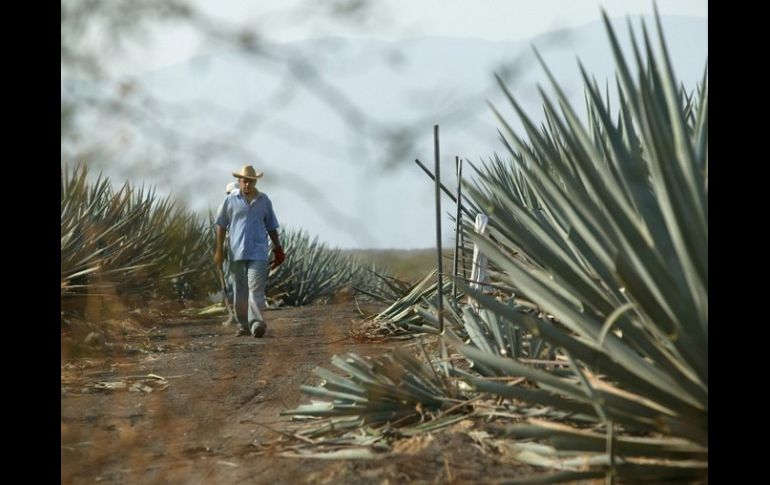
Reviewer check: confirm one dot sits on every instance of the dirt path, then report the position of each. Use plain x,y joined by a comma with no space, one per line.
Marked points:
221,395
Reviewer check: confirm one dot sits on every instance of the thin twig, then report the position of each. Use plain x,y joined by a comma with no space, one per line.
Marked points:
458,406
286,433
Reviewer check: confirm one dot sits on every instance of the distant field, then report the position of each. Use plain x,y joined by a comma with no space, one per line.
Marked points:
404,264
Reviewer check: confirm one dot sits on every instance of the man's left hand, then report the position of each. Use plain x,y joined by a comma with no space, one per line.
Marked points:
280,256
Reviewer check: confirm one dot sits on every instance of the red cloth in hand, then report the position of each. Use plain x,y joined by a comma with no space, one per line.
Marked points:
280,256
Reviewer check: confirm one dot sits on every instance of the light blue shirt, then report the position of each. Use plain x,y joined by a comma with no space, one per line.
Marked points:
247,225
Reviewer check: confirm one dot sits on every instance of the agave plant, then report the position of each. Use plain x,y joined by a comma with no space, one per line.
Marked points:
378,390
127,242
187,270
379,399
413,312
107,237
387,288
604,225
313,271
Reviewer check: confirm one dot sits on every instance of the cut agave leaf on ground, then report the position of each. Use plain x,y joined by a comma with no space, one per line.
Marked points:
346,454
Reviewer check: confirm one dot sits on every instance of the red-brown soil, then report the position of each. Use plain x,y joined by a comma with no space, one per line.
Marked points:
182,400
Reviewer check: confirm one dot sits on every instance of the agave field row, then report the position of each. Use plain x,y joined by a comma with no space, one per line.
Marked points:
130,244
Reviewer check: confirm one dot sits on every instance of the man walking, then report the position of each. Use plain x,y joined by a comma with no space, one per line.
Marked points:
246,216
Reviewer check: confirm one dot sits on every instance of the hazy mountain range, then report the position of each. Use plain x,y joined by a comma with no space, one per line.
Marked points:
337,142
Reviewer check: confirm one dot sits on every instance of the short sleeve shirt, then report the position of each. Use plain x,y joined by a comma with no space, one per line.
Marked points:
247,225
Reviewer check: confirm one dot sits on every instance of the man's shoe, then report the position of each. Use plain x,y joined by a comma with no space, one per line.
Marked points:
241,332
258,329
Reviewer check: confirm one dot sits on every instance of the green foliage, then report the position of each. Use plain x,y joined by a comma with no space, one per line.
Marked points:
604,226
128,242
600,228
379,390
188,264
312,271
407,314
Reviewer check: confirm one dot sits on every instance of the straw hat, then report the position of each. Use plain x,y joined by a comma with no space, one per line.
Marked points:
247,172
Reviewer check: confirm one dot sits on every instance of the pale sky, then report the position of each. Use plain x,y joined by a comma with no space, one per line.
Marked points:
485,19
362,202
292,20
